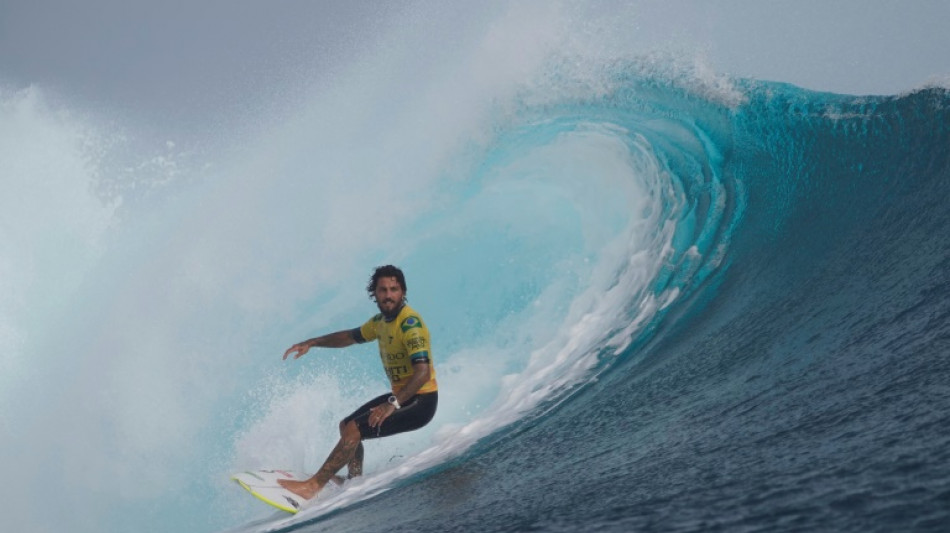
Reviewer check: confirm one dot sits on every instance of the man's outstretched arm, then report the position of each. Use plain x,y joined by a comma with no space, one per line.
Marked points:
339,339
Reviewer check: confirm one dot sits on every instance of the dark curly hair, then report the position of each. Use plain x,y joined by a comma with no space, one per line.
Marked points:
385,271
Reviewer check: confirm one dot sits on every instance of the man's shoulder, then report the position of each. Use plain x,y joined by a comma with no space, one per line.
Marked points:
409,319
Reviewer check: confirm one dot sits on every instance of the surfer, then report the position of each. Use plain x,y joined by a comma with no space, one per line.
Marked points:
404,349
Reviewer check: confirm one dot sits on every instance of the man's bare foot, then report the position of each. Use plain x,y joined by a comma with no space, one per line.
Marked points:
305,489
338,480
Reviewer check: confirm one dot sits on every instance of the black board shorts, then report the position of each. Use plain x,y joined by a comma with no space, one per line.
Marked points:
417,412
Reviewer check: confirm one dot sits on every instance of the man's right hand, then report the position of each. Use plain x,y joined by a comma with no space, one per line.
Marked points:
301,348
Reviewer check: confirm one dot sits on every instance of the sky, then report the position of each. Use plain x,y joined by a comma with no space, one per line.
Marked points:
174,58
179,57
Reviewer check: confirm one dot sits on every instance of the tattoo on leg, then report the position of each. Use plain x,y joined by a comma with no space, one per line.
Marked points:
340,456
355,466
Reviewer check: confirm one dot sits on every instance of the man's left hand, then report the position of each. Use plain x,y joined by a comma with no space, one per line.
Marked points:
378,414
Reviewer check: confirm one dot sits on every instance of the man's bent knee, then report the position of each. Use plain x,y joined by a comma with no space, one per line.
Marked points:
350,433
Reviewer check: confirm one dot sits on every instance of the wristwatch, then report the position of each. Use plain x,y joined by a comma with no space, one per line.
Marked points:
394,401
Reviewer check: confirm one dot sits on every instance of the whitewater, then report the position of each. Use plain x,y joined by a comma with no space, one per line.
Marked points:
660,298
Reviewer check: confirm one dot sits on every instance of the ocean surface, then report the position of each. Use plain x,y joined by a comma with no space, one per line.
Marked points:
796,376
660,300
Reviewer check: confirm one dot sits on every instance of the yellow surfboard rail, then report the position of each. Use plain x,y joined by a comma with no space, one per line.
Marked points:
291,505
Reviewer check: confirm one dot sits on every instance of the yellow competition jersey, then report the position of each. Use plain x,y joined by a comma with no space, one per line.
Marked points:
402,342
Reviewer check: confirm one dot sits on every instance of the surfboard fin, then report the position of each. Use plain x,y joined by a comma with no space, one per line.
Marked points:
293,502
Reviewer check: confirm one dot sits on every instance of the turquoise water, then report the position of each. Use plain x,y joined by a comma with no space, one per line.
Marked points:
660,300
797,379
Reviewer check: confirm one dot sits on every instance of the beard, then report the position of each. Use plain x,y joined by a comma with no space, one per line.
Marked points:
389,308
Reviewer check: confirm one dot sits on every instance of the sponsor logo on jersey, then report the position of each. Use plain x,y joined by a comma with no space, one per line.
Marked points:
416,343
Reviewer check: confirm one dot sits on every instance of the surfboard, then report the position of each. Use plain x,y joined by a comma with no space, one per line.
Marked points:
263,485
